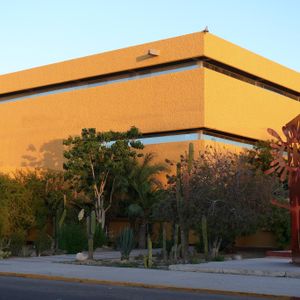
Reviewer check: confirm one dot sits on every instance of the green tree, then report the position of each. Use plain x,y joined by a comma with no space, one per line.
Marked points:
226,189
95,165
16,213
276,218
48,192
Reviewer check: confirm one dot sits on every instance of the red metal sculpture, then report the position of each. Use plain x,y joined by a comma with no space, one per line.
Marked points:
287,163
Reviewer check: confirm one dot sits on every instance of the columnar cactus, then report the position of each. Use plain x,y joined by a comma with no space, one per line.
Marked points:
91,228
164,234
204,235
126,243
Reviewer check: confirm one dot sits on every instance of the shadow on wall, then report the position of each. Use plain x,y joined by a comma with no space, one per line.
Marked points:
49,155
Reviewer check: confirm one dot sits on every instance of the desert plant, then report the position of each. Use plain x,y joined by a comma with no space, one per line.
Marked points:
90,230
99,237
42,242
4,254
72,238
17,242
164,236
204,235
126,243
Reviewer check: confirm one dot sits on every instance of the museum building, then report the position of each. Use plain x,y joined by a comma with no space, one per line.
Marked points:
196,87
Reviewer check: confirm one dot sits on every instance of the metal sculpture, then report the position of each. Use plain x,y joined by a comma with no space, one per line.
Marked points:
287,163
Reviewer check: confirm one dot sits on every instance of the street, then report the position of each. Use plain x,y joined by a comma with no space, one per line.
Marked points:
23,289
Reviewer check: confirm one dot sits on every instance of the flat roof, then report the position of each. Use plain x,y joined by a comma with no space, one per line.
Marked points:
184,47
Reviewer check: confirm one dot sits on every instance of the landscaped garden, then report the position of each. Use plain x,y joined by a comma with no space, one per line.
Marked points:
215,195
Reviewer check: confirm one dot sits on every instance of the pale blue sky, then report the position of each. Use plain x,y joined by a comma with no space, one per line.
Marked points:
39,32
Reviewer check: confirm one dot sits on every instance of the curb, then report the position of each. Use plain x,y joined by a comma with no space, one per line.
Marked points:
247,272
141,285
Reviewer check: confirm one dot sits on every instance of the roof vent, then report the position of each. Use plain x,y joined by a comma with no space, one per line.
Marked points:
153,52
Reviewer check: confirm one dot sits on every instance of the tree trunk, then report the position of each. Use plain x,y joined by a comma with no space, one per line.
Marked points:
103,220
142,236
149,244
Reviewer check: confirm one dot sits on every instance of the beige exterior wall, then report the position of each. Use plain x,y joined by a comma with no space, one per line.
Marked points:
244,109
32,129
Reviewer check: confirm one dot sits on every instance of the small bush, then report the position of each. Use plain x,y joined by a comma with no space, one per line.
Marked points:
42,243
99,237
219,258
199,246
4,254
72,238
18,239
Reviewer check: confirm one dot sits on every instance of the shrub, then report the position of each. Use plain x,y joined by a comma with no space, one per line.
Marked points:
99,237
4,254
72,238
42,243
17,242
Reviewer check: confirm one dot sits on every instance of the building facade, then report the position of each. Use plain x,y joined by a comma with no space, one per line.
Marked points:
195,87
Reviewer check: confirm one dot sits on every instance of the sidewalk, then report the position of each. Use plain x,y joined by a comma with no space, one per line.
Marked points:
51,268
271,267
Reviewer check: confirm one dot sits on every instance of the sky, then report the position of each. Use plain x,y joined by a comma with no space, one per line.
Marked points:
39,32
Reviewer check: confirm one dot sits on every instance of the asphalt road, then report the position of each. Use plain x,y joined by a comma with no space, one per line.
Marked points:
23,289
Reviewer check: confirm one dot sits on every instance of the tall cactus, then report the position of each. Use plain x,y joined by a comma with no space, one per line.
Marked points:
204,235
58,221
183,173
179,201
91,228
190,157
126,243
164,236
176,242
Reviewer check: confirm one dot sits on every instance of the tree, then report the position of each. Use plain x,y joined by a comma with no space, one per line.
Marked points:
233,195
144,192
16,213
95,165
48,193
222,188
276,219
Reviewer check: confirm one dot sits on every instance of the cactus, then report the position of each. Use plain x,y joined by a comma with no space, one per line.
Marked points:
204,235
91,228
190,157
62,218
93,222
58,221
175,242
164,235
126,243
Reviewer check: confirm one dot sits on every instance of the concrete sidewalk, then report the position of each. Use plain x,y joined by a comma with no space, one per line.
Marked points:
52,268
271,267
